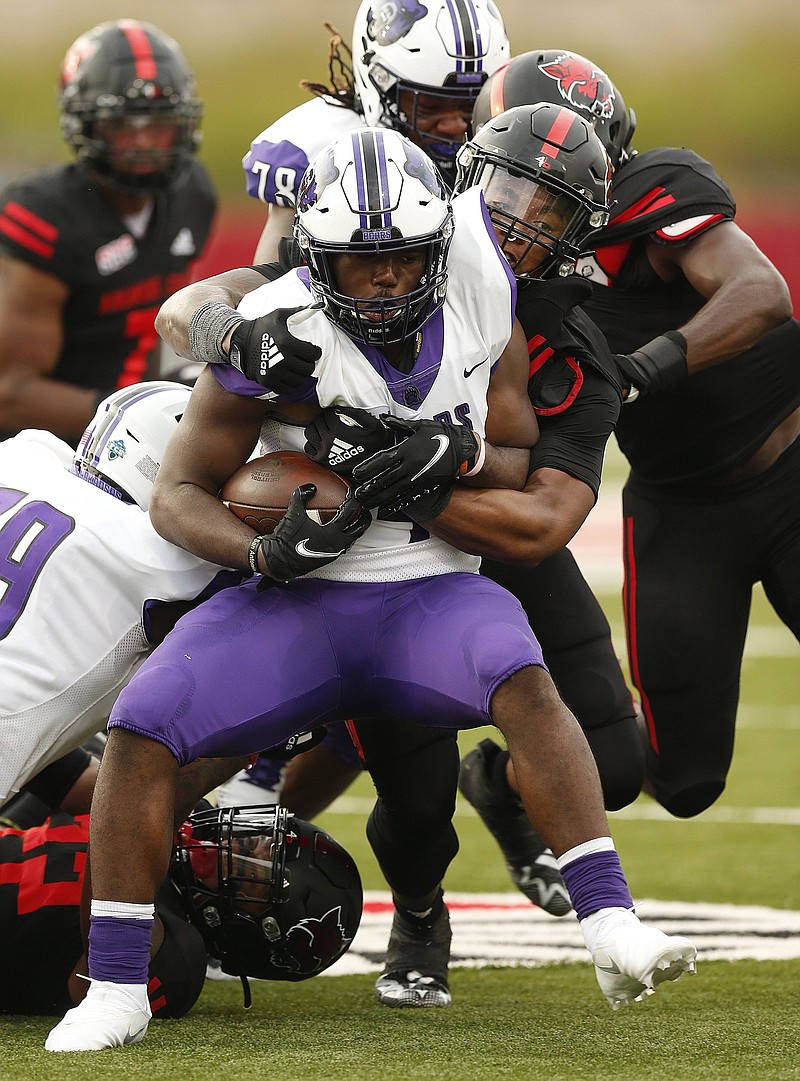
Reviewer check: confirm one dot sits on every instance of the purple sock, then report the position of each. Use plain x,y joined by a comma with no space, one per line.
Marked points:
596,881
119,949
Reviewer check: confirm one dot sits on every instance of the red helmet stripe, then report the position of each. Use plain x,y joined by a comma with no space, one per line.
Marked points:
561,126
496,97
146,67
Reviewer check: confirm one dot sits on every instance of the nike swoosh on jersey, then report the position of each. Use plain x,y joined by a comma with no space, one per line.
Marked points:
303,550
444,443
468,371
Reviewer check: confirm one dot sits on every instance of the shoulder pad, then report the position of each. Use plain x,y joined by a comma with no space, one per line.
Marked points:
663,187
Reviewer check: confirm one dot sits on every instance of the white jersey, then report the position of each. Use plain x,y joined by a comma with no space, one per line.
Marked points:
280,154
77,569
449,381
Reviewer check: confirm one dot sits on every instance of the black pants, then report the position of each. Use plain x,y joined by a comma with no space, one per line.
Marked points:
691,560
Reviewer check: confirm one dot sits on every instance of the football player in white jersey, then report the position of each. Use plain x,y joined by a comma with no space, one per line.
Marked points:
88,585
408,300
415,68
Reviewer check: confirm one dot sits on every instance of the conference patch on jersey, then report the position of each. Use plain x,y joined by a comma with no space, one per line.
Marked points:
503,929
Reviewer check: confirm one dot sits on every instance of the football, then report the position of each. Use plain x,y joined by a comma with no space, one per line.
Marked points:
260,490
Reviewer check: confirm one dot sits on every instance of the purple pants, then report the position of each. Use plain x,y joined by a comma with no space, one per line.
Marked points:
246,670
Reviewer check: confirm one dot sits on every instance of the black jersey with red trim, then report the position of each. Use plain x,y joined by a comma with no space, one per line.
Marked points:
57,221
41,877
40,889
574,384
716,418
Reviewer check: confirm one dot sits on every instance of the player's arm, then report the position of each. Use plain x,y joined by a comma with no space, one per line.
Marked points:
278,225
31,338
172,321
566,463
215,436
746,295
511,425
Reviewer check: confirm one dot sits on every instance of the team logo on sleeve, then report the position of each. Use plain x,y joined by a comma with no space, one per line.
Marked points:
390,21
582,84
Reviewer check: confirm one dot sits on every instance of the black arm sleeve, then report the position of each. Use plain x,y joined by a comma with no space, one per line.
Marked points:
574,440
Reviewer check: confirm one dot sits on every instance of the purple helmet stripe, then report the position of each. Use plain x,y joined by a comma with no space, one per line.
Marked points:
118,420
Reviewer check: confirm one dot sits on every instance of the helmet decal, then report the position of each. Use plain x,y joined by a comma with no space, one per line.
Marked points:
390,21
309,945
316,180
80,52
420,166
582,84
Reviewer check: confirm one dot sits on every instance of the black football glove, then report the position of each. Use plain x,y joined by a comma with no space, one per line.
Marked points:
434,453
298,544
659,364
266,351
341,438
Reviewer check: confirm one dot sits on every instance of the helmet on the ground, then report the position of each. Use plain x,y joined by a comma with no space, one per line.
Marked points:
444,49
275,898
368,192
128,106
563,78
545,177
122,447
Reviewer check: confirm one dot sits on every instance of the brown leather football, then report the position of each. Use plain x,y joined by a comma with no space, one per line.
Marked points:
260,490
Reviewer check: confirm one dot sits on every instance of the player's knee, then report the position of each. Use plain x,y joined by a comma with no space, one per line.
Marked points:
692,800
618,752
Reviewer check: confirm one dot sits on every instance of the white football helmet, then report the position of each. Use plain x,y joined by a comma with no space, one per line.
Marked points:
443,48
374,191
122,448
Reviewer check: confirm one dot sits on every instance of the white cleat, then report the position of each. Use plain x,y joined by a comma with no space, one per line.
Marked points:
109,1016
631,961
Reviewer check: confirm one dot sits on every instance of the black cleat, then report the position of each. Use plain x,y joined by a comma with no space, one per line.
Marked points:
530,862
416,964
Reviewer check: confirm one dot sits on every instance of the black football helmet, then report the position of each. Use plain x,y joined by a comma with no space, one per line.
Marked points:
275,898
129,73
545,177
563,78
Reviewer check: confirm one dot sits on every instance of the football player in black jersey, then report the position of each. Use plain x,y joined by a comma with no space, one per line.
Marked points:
90,249
701,324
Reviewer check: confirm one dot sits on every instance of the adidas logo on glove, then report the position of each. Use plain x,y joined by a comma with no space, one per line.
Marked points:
341,451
